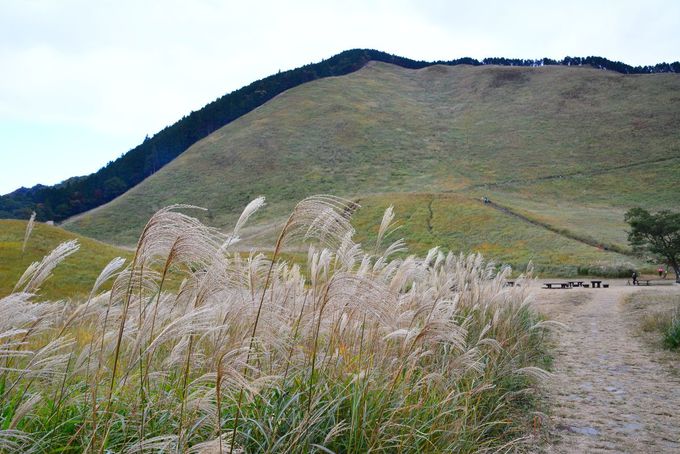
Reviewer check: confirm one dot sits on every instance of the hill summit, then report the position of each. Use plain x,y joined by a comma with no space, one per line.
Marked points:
561,152
80,194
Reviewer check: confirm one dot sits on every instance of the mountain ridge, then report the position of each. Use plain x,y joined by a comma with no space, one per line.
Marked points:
568,148
82,193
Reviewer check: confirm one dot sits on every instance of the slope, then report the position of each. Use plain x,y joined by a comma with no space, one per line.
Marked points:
74,276
79,194
461,223
508,131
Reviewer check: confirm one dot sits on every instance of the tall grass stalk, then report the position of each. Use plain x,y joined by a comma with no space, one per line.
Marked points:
196,348
29,229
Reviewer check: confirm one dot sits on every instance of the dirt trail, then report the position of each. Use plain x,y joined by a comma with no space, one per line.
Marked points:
608,392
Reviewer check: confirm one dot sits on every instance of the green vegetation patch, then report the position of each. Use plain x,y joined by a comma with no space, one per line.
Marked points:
592,205
660,317
73,278
462,224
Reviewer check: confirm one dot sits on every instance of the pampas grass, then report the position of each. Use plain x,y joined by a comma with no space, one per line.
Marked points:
353,352
29,229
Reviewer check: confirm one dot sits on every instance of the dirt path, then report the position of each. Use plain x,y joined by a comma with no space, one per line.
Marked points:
608,392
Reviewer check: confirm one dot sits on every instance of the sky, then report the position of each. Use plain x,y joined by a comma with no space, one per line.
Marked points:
83,81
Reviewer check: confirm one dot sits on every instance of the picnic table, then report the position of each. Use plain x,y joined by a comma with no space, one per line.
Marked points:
576,283
549,285
596,284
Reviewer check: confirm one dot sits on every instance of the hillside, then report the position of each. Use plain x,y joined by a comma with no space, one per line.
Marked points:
79,194
569,148
74,276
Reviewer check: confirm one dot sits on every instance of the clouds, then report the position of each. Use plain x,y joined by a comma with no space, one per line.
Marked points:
119,70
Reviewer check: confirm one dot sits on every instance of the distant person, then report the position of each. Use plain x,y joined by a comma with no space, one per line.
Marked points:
665,272
660,270
635,276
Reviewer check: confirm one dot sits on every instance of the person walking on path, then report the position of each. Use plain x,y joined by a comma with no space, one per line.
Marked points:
635,276
660,270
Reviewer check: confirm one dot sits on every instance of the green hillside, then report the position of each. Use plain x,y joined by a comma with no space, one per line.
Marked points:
74,276
79,194
461,223
569,148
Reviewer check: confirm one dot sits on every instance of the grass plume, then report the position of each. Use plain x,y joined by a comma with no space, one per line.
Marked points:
350,352
29,229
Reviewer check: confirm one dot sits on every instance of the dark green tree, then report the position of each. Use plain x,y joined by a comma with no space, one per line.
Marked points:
659,233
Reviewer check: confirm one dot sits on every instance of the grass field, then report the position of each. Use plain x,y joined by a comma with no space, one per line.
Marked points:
74,278
508,133
460,223
593,205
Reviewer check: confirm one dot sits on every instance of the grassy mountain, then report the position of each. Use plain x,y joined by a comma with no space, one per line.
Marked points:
75,276
564,151
80,194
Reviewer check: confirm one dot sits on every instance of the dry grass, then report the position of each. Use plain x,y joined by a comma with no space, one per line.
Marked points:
658,317
355,351
666,325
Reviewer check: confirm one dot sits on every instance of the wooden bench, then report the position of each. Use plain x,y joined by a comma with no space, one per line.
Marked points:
655,281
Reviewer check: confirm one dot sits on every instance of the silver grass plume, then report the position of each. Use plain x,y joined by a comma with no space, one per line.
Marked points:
324,218
109,271
176,237
14,440
82,310
23,409
349,252
387,219
29,229
38,272
217,446
18,311
50,361
161,443
248,211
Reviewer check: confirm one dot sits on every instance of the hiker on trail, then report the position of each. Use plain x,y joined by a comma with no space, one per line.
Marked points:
660,270
665,272
635,276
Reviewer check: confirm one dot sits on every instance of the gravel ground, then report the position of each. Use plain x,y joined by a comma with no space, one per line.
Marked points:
610,391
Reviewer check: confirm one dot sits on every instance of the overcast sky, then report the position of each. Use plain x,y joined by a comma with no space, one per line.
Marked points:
83,81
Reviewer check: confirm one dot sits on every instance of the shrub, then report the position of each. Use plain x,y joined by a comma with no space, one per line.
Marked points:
671,335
